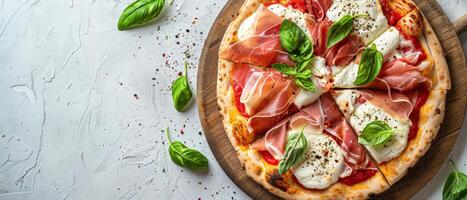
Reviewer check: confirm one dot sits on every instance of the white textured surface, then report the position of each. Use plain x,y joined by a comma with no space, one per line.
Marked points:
71,126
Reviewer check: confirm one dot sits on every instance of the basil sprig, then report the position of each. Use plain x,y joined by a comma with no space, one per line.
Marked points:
139,13
295,41
300,49
181,93
301,73
455,187
294,151
340,29
375,133
184,156
370,65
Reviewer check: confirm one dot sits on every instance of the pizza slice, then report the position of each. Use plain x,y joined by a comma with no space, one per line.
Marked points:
411,56
333,164
396,128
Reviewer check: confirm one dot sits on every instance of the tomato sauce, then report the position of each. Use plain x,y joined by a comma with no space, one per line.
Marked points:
415,115
358,176
392,16
237,94
296,4
269,158
417,46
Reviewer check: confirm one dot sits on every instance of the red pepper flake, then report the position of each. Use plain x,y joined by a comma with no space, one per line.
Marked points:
181,131
163,55
180,73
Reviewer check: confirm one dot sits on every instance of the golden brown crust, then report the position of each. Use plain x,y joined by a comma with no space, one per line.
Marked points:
234,123
440,78
431,116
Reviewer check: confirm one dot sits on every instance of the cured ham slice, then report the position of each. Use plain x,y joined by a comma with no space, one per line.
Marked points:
399,74
324,115
262,48
318,8
266,96
341,53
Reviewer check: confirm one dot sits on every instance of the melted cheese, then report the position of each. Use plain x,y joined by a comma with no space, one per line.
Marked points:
323,161
388,42
365,113
321,76
345,76
367,28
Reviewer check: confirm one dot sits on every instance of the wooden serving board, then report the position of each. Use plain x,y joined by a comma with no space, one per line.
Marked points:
417,177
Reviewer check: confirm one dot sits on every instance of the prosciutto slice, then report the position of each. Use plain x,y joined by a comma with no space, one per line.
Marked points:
325,115
266,96
318,8
400,74
263,47
340,54
394,103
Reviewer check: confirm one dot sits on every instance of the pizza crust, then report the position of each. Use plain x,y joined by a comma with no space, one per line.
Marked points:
234,123
440,74
431,117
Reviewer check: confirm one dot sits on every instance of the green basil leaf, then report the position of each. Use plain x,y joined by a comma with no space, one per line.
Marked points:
370,66
302,66
305,74
306,84
455,187
181,93
285,69
290,35
375,133
295,41
184,156
139,13
340,29
294,151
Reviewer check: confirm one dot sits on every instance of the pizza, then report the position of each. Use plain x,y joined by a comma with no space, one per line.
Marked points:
330,99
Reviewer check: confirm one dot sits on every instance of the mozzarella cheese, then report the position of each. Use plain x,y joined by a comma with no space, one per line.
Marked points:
247,27
367,28
323,161
320,77
361,115
345,76
388,42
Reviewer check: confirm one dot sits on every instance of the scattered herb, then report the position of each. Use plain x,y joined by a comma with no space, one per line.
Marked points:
294,151
139,13
455,187
340,29
184,156
375,133
181,93
295,41
370,65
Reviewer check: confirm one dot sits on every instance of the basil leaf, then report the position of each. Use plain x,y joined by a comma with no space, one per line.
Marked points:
340,29
294,151
290,35
285,69
455,187
139,13
305,74
184,156
370,66
181,93
295,41
375,133
303,66
306,84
